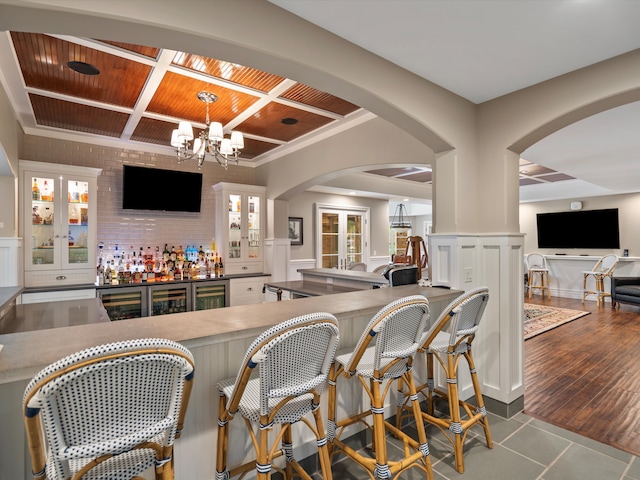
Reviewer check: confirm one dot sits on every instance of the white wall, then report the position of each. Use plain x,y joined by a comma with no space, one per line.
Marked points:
628,207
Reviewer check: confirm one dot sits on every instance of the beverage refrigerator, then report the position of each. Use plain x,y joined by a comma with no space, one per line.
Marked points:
124,302
169,298
208,295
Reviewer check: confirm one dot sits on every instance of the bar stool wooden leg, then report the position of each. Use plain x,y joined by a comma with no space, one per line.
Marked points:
323,447
481,410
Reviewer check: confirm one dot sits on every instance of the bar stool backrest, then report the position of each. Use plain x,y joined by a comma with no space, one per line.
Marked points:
461,319
396,330
293,357
106,400
606,264
536,261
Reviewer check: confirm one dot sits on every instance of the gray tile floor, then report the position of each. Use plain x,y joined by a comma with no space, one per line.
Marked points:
524,449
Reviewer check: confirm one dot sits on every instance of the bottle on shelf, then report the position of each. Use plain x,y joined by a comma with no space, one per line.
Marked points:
173,255
201,253
35,191
165,253
84,196
221,268
74,193
46,193
238,205
180,254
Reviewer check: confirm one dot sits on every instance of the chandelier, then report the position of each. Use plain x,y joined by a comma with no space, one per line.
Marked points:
398,222
211,141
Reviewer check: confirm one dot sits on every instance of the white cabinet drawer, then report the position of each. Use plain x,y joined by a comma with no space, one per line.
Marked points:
247,291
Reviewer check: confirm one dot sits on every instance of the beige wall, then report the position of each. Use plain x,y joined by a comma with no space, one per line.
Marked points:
132,227
628,207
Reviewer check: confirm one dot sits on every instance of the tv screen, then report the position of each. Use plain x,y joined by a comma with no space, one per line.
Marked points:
580,229
156,189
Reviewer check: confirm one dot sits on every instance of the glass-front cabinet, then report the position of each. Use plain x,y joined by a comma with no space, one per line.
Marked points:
58,223
240,221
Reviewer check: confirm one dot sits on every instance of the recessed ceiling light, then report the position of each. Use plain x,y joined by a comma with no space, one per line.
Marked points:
352,193
289,121
83,68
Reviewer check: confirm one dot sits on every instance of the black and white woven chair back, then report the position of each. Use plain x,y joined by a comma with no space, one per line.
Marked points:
292,358
470,311
107,400
396,330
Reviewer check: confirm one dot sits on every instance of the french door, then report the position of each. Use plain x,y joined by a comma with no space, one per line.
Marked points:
342,236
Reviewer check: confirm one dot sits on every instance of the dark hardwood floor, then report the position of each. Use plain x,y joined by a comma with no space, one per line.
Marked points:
584,376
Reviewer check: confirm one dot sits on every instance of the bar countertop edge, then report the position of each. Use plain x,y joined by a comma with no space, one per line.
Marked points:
26,353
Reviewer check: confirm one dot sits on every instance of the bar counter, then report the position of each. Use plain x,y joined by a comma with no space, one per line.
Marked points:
218,340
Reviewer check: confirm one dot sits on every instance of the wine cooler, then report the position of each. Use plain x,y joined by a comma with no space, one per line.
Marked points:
165,299
124,303
208,295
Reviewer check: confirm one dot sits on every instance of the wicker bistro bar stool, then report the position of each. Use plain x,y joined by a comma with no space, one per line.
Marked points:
384,353
602,269
109,412
460,319
280,380
538,274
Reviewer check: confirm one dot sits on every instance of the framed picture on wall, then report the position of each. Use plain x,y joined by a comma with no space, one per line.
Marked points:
295,230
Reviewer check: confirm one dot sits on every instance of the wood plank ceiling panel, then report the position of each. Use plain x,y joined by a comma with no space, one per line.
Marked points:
231,72
74,116
150,52
315,98
268,122
176,97
43,61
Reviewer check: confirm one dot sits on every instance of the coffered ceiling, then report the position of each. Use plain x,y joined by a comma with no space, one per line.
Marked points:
492,48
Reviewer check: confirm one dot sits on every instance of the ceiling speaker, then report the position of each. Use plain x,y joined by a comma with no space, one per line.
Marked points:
576,205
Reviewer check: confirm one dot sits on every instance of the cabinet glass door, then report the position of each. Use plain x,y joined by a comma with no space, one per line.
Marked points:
169,299
253,226
42,221
77,222
209,295
124,303
235,226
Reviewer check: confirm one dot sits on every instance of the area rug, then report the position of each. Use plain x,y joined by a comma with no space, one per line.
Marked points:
540,318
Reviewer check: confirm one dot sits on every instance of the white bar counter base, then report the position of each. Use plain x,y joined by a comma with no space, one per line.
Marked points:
218,339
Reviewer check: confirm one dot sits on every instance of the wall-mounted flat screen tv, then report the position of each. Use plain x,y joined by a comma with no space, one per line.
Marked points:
146,188
579,229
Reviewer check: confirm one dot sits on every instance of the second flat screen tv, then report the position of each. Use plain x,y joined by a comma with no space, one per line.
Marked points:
146,188
581,229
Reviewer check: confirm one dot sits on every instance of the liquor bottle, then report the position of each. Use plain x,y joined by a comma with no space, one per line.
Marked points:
100,273
107,275
173,255
84,196
180,254
201,253
46,193
165,253
35,191
216,267
221,267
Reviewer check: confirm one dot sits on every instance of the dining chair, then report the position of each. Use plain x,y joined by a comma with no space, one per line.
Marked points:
602,269
383,354
279,382
109,412
447,340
